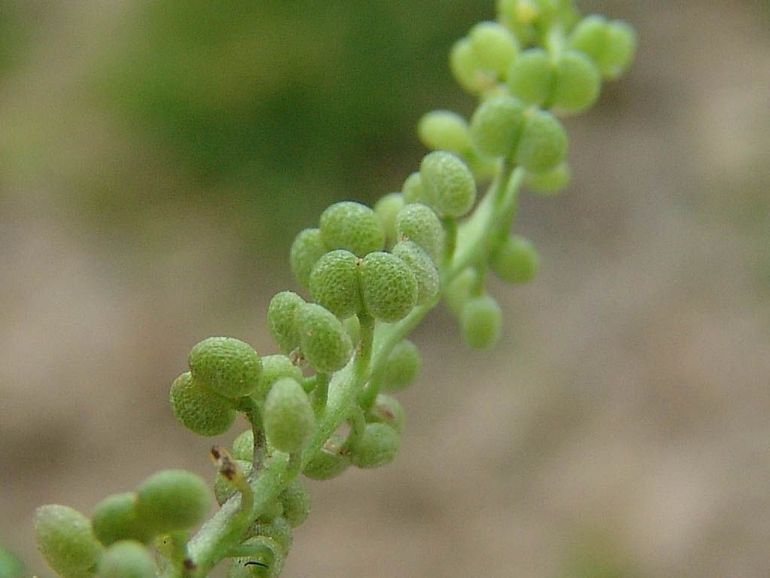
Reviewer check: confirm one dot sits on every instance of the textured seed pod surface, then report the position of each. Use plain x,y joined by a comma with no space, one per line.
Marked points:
351,226
225,365
323,339
199,409
172,500
388,286
281,319
288,415
334,283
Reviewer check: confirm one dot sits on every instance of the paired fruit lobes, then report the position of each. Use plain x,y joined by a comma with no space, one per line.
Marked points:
377,446
66,541
448,184
403,365
172,500
199,409
225,366
481,322
127,559
351,226
288,416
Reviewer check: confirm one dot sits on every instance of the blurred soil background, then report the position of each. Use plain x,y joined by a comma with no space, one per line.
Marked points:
156,159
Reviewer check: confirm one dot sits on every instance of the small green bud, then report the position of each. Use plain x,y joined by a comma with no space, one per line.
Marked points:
296,503
273,368
377,446
115,518
403,365
611,45
516,260
200,409
172,500
288,415
306,249
550,182
494,47
282,320
223,488
444,130
328,462
66,541
412,189
127,559
243,445
448,184
352,226
226,366
496,126
419,223
324,341
577,83
481,321
386,209
531,77
543,143
388,286
423,267
388,411
467,70
460,290
334,283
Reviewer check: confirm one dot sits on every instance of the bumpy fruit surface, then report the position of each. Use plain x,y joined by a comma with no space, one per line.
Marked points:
388,286
127,559
243,445
351,226
199,409
225,365
115,518
378,446
412,189
288,415
419,223
296,503
543,143
334,283
273,368
496,126
328,462
66,541
172,500
531,77
481,322
282,319
323,339
516,260
403,366
386,209
424,269
306,249
611,45
448,184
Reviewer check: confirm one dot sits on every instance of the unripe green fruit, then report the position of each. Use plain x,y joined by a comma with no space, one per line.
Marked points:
296,503
377,446
328,462
460,290
224,488
388,286
66,541
227,366
419,223
577,83
386,209
412,189
306,249
444,130
516,260
334,283
200,409
466,68
243,445
550,182
282,320
494,47
278,530
351,226
172,500
481,321
403,365
423,267
496,126
611,45
543,143
288,416
127,559
324,341
531,77
448,184
387,410
273,368
115,518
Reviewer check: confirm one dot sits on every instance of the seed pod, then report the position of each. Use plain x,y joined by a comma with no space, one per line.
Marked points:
115,518
460,290
227,366
281,320
199,409
412,189
417,222
243,445
543,143
448,184
388,286
66,541
403,365
172,500
334,283
493,46
273,368
611,45
444,130
223,488
288,415
481,321
378,446
531,77
425,272
323,339
516,260
466,68
388,411
127,559
296,503
386,209
328,462
550,182
576,83
351,226
496,126
306,249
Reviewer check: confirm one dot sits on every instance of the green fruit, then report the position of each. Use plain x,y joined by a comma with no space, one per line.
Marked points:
115,518
306,249
423,267
611,45
419,223
403,366
516,260
386,209
296,503
412,189
496,126
460,290
243,445
328,462
323,339
550,182
334,283
543,143
200,409
493,46
227,366
288,416
444,130
387,410
127,559
448,184
273,368
531,77
351,226
278,530
224,488
377,446
282,321
388,286
577,83
172,500
466,68
66,541
481,321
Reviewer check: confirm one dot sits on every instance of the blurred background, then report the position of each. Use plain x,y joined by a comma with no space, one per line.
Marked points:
156,159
